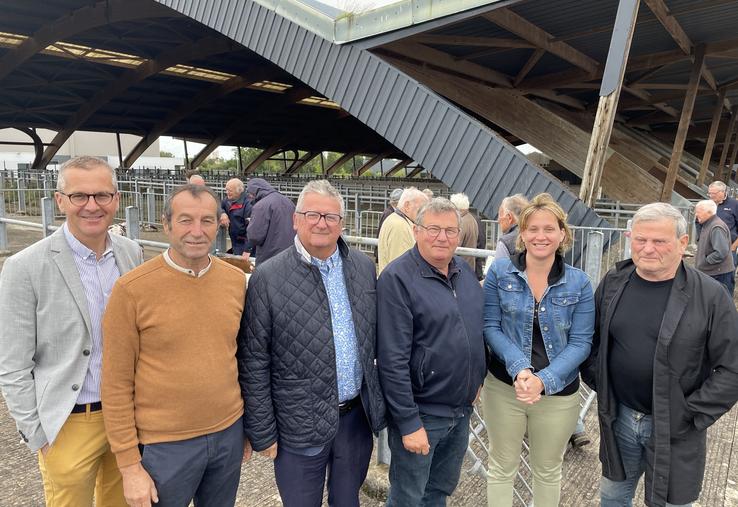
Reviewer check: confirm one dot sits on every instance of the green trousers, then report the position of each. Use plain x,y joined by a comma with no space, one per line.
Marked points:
549,423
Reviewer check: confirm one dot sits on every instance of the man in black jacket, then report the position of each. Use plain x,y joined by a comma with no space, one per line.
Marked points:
270,228
430,353
664,363
307,358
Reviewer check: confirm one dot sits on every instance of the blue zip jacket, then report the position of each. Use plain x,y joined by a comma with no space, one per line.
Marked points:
430,343
566,316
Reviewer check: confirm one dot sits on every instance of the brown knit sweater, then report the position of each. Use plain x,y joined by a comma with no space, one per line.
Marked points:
169,355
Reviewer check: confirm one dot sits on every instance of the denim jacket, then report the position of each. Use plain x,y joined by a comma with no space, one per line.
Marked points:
566,316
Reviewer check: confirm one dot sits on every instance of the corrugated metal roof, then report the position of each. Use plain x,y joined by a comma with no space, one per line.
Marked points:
458,149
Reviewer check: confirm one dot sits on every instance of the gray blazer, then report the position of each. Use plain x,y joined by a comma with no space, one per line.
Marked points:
44,327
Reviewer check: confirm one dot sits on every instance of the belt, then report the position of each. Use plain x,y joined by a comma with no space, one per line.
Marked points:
94,407
348,405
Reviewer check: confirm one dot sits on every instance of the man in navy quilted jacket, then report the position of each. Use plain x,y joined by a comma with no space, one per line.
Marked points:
307,358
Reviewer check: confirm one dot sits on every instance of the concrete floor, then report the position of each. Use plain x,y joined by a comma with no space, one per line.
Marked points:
20,484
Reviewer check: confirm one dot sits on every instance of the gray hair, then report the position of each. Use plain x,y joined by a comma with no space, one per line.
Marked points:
395,195
661,211
411,194
86,163
195,191
707,205
438,206
239,185
320,187
722,187
514,204
460,200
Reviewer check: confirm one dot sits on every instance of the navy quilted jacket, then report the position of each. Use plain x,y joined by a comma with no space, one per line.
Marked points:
286,357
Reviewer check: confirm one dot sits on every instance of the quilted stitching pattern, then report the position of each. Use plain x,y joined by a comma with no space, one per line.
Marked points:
286,353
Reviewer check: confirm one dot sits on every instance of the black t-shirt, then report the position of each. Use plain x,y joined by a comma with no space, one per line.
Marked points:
634,331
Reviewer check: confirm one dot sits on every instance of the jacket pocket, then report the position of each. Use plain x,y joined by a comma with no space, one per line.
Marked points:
292,401
681,419
417,368
510,294
563,307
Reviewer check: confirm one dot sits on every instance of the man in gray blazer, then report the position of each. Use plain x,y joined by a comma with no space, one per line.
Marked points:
52,297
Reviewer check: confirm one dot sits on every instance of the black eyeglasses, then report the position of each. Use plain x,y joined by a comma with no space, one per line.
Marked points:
433,231
313,217
80,199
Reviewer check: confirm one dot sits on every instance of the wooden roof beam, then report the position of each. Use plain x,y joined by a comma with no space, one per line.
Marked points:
671,25
434,57
514,23
462,40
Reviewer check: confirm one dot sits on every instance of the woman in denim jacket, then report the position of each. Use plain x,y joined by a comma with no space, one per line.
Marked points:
538,322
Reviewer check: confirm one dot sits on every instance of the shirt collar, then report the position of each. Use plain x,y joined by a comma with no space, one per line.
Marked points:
81,250
168,260
330,262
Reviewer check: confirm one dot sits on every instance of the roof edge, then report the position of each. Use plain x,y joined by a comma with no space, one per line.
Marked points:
341,27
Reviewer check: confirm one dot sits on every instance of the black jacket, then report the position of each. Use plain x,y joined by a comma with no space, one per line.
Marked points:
286,355
695,372
430,343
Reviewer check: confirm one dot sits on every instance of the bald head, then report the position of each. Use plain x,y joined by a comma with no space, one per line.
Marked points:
196,179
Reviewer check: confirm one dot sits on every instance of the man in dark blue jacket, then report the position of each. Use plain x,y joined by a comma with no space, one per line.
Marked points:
270,228
235,211
430,354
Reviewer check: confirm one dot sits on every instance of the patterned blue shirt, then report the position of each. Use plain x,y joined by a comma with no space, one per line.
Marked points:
348,367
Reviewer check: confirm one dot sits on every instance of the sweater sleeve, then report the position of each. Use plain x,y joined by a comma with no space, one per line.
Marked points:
120,352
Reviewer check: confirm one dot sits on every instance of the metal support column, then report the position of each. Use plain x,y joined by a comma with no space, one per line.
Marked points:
47,214
120,150
21,193
150,206
593,256
132,218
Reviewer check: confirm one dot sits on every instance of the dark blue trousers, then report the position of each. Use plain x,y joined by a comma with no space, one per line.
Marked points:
427,481
205,469
301,479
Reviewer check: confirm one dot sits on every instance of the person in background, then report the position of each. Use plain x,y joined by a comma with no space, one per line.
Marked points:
469,228
428,193
727,211
396,235
394,198
52,298
196,179
507,217
538,323
664,363
713,246
481,244
235,212
270,227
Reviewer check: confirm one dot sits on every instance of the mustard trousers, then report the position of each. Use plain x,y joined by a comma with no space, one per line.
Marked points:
80,464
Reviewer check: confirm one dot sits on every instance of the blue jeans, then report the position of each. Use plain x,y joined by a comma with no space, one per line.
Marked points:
632,431
426,481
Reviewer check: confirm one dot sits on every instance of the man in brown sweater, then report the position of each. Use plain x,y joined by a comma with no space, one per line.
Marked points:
173,405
